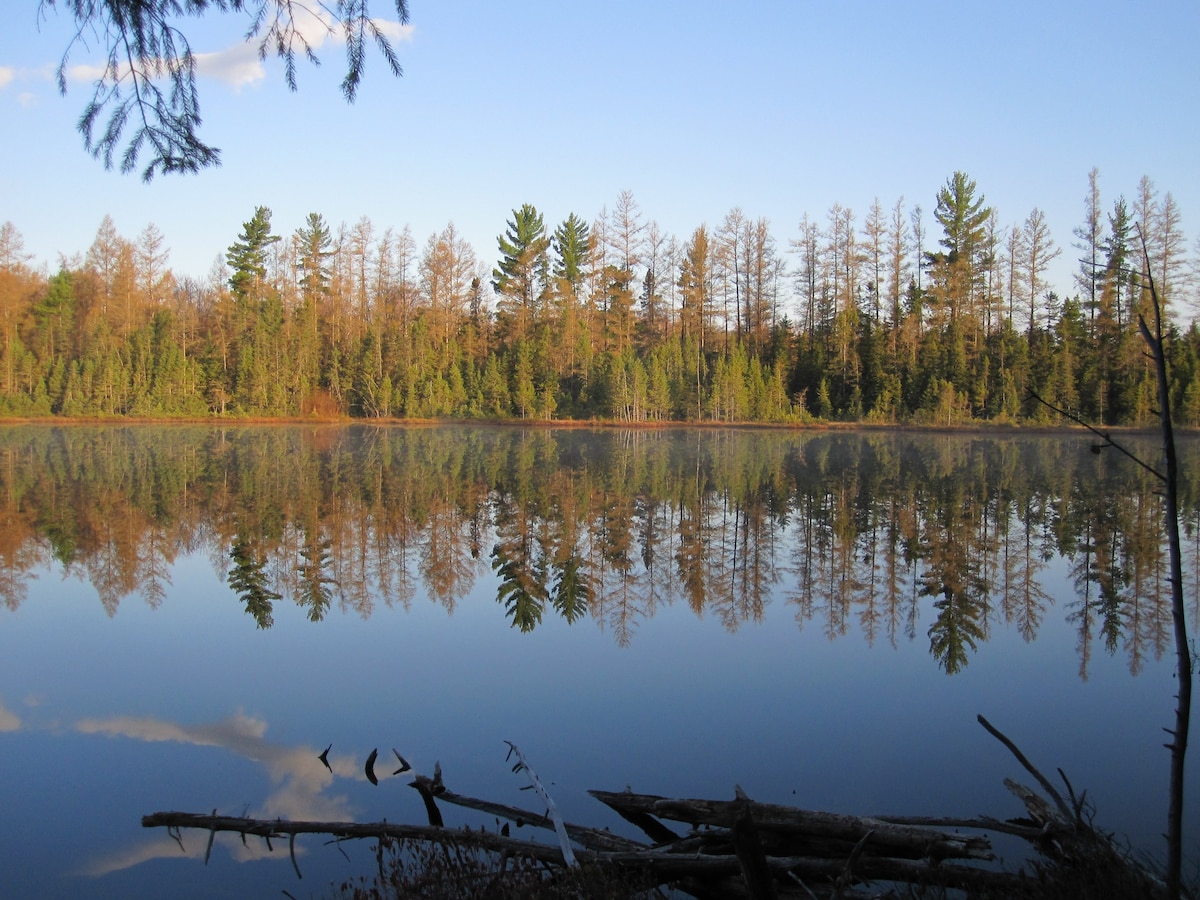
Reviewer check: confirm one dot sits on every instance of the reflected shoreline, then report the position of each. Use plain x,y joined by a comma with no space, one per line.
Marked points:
853,531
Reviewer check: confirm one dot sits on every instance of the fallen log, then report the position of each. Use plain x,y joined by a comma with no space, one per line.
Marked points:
590,838
887,839
666,862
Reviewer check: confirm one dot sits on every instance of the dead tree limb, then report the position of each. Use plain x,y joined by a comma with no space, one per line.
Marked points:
1028,766
278,828
736,847
591,838
1183,656
551,810
427,789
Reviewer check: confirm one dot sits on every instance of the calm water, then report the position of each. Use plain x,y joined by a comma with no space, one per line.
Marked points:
189,615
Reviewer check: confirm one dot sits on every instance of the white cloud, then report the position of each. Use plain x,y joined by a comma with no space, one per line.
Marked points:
239,64
12,76
394,30
84,72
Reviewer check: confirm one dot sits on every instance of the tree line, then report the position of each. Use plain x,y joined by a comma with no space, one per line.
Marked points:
884,318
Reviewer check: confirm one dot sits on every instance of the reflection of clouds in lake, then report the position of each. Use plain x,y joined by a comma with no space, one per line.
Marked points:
158,848
299,776
9,720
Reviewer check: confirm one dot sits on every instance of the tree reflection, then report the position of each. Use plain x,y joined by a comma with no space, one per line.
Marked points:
248,578
313,589
890,536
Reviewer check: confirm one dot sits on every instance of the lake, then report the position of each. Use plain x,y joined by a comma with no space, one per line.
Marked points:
191,614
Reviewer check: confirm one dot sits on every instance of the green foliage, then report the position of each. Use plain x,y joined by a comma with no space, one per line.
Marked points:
520,277
248,578
247,256
572,250
314,242
325,330
522,590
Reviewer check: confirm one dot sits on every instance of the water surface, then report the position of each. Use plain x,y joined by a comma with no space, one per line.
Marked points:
189,615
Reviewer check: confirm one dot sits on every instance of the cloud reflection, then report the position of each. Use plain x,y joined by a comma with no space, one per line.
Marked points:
300,780
9,720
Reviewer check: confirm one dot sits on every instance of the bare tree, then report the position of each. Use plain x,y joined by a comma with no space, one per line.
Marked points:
898,267
1038,252
1089,236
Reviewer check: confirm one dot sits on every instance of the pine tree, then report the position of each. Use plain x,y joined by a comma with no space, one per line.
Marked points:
695,286
520,277
572,252
313,243
247,257
957,268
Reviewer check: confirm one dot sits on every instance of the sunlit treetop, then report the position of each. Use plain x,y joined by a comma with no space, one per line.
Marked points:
148,87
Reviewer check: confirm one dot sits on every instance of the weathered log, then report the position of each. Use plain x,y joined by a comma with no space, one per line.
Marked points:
1028,766
646,823
591,838
908,842
277,828
751,857
980,823
665,863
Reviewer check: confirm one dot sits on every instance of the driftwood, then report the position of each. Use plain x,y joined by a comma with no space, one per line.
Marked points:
735,847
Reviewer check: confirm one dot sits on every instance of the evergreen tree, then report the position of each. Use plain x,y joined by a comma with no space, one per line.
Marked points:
520,277
247,256
957,268
695,286
55,317
313,243
572,252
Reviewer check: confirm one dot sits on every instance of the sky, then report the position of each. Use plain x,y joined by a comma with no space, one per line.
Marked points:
780,108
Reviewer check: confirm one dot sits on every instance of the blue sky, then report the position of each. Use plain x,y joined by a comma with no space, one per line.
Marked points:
780,108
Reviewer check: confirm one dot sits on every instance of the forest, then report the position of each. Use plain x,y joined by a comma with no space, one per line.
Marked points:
885,318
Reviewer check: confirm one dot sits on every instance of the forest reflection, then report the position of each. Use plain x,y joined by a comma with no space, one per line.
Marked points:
896,536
